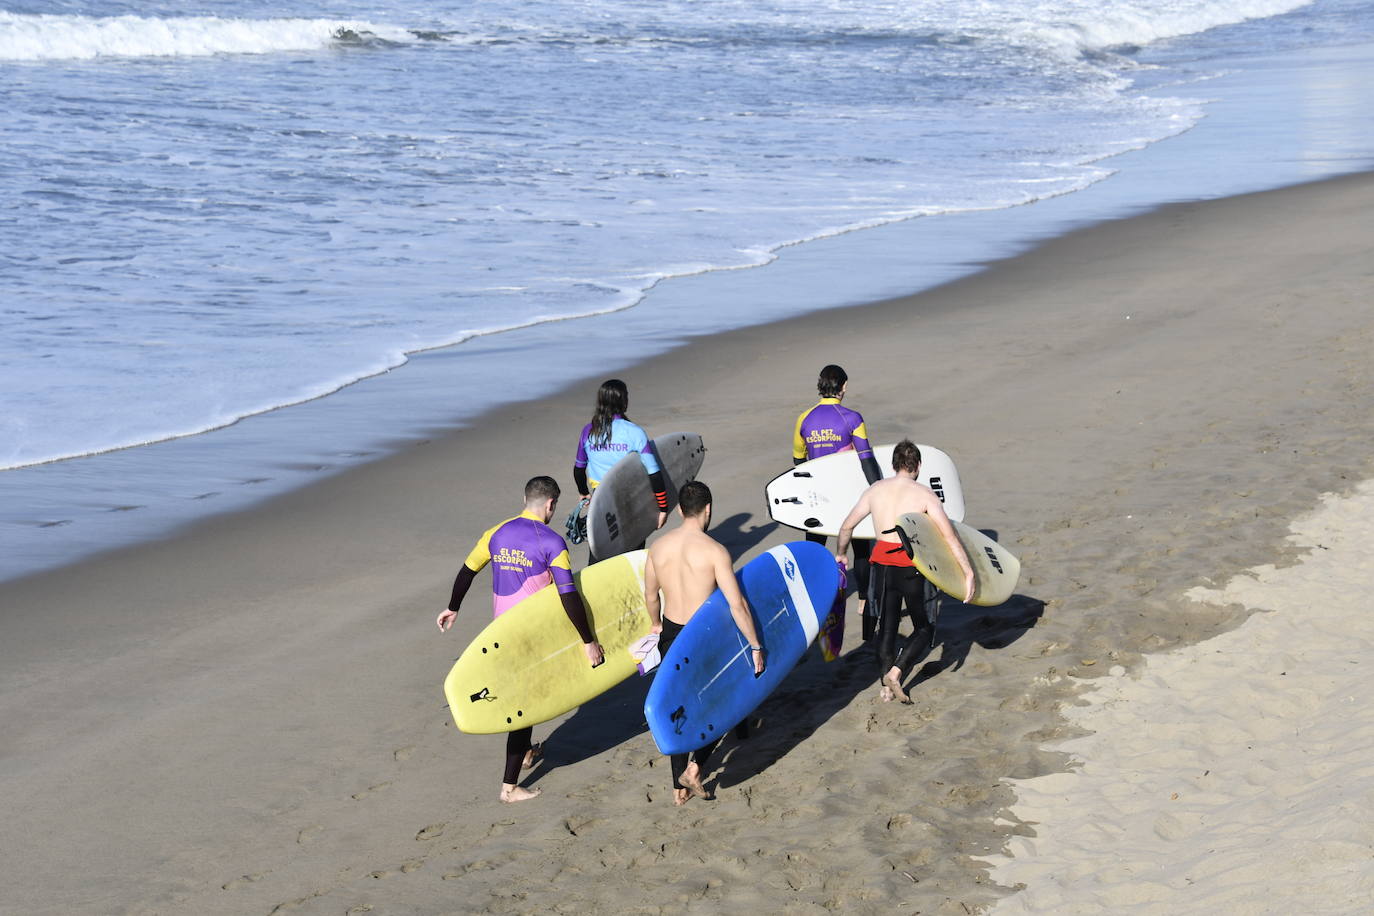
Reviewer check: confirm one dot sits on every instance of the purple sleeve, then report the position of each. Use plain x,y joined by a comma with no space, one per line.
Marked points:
859,436
560,565
581,460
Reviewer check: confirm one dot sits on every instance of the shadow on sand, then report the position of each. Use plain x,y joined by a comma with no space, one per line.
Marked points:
812,693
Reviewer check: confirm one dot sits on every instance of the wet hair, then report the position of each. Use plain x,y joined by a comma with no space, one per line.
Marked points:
906,456
831,380
541,488
612,398
693,498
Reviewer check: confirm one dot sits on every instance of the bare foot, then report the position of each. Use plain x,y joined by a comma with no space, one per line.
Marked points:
512,794
691,778
533,756
893,682
886,694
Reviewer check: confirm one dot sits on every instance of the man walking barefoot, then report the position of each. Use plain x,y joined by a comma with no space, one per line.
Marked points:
526,555
688,565
893,578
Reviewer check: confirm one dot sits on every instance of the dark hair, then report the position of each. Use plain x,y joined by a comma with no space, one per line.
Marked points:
693,498
906,456
612,398
831,381
541,487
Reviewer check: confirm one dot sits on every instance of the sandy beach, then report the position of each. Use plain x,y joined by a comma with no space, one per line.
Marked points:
247,718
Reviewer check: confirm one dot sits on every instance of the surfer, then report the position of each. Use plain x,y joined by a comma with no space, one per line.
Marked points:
526,555
689,565
894,579
825,429
609,437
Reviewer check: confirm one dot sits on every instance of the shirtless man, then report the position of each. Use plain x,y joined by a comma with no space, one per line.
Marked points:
893,577
688,565
526,555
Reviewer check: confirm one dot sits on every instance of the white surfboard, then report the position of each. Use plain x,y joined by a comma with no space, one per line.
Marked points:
623,512
816,495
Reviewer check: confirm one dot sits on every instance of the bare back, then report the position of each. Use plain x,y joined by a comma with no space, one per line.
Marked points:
893,497
687,565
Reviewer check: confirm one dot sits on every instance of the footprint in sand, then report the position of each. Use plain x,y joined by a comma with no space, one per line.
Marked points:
404,868
358,796
309,834
403,753
242,881
432,832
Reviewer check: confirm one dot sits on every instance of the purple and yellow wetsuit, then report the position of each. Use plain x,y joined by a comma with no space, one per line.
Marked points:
827,428
525,555
595,460
830,427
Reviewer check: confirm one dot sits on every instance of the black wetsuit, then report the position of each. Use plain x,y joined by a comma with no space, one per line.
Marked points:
894,582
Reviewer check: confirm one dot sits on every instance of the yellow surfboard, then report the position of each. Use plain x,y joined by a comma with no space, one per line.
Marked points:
995,570
528,666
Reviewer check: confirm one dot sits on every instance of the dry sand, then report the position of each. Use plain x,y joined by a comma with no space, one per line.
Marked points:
247,718
1231,776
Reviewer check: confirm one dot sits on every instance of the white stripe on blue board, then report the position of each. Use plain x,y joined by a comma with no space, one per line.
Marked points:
796,587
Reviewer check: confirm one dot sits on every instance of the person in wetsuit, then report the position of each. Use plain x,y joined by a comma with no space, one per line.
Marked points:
525,555
827,428
688,565
895,581
609,437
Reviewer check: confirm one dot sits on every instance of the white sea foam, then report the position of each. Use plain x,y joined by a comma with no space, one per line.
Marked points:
46,37
194,229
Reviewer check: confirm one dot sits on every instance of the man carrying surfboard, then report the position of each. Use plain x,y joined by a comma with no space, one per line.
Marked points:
526,555
825,429
609,437
688,565
894,579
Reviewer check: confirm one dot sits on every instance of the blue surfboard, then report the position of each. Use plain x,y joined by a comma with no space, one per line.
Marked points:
705,684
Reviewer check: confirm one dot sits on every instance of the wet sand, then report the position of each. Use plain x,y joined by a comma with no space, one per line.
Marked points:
247,718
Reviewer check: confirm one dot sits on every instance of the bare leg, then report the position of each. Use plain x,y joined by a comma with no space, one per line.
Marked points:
511,793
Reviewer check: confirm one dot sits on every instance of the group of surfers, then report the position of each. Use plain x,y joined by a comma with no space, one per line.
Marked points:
686,565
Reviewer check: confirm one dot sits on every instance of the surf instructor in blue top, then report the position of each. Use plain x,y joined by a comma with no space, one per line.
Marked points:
525,555
826,429
611,436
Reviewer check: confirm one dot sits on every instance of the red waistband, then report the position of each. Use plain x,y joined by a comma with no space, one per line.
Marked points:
889,553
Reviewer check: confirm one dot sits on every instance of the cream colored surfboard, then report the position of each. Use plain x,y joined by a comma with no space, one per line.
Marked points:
995,570
528,665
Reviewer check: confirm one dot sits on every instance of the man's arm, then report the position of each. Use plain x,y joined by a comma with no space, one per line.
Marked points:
739,608
937,515
461,583
851,521
561,572
651,595
859,439
798,441
477,560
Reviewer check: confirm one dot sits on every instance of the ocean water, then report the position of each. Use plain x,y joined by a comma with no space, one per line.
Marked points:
211,212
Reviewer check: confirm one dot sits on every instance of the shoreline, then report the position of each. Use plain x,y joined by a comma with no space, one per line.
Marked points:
57,513
1123,459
